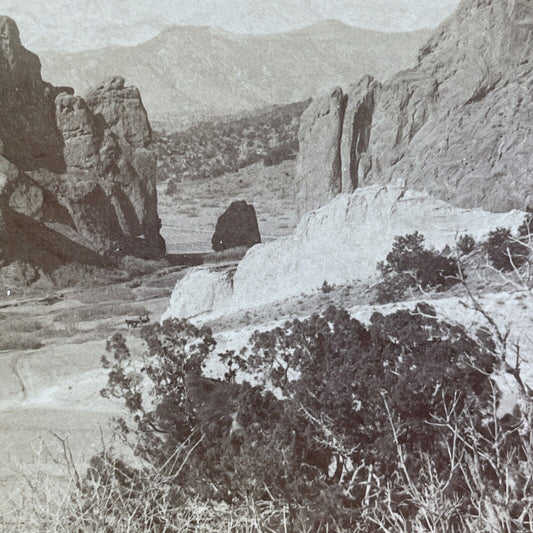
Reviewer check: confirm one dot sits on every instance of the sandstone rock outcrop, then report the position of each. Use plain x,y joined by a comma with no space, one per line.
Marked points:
458,125
199,291
28,134
334,136
236,227
75,173
105,144
344,240
319,175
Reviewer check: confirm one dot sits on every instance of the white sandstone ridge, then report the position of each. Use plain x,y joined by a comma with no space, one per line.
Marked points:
200,290
338,243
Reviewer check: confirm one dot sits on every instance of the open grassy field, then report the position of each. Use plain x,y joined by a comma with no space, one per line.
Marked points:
189,217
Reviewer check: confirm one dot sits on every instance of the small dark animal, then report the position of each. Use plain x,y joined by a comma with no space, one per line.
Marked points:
143,319
132,323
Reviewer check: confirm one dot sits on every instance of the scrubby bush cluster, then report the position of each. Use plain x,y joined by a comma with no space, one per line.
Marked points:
508,251
465,244
212,149
505,251
380,427
409,265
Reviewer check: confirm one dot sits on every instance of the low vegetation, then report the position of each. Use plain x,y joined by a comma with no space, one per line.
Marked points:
505,251
209,150
410,265
100,312
389,426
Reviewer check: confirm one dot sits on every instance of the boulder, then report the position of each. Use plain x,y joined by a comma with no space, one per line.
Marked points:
458,125
199,291
236,227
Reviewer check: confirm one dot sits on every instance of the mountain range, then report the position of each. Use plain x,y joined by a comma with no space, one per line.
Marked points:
188,74
77,25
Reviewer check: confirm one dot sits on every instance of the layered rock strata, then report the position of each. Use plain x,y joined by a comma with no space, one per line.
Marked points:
77,177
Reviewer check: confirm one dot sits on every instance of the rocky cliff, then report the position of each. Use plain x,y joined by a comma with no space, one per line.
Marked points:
458,125
77,178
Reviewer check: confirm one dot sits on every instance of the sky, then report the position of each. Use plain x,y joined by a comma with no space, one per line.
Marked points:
76,25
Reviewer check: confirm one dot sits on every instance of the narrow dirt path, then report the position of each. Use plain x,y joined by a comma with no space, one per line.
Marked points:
15,368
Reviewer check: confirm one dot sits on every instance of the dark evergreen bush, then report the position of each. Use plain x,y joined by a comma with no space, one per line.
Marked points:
346,391
466,244
504,251
410,265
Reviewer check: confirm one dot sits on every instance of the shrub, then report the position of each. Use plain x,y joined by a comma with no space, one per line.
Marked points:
409,265
10,340
393,288
466,244
326,288
277,155
347,391
505,252
526,228
341,365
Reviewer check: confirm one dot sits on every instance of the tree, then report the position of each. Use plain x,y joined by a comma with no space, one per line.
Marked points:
505,252
410,265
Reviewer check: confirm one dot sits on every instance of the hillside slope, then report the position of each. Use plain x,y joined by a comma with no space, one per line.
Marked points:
188,73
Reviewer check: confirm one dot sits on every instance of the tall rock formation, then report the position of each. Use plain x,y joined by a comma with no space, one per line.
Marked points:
458,126
77,178
28,136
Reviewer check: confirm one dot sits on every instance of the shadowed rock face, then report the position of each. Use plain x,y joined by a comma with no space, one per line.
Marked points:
458,125
28,136
105,144
237,226
79,170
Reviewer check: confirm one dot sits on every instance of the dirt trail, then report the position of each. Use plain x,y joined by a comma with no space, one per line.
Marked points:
14,365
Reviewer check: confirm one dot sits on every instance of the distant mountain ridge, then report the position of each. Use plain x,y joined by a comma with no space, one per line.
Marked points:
103,23
189,73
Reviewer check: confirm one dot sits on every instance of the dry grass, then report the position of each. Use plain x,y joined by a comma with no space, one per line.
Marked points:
113,293
21,333
99,503
78,275
100,312
10,341
232,254
269,189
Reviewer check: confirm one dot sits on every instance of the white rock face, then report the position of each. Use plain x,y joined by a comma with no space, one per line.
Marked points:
199,291
345,239
338,243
